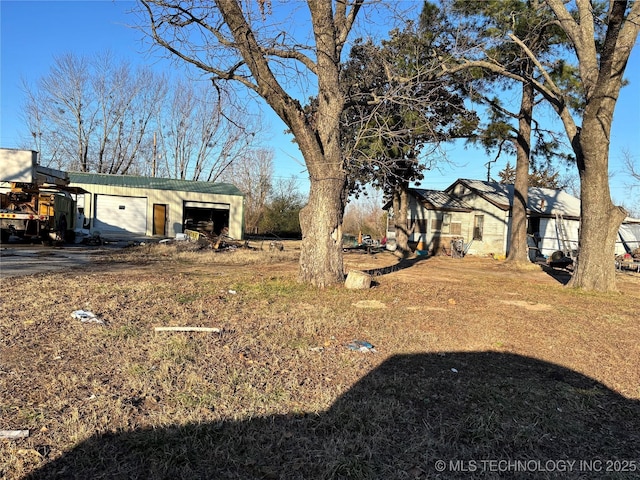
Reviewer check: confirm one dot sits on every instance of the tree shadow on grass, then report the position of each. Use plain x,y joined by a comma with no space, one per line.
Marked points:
561,275
473,411
400,265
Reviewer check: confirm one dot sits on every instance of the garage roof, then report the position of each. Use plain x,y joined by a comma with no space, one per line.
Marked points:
133,181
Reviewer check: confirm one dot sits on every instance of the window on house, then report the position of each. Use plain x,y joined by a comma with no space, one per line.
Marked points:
442,223
478,226
446,223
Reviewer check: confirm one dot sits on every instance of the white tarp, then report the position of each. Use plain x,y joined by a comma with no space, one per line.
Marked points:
628,238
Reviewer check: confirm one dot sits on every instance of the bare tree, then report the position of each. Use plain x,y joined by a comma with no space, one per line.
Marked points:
61,113
253,44
632,167
601,72
200,133
92,114
632,170
127,102
100,115
252,173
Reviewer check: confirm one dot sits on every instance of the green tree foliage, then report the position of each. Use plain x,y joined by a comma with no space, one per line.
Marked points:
281,214
399,111
545,178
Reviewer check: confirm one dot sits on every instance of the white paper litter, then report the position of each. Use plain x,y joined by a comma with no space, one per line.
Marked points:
86,317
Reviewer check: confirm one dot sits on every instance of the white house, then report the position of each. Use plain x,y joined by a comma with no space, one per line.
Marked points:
479,213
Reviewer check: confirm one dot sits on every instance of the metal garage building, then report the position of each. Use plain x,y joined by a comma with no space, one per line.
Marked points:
127,206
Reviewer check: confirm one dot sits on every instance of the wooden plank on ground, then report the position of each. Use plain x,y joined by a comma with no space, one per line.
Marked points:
14,434
188,329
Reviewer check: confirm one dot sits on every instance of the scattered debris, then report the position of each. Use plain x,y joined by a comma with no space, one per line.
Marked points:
361,346
232,292
457,248
316,349
86,317
93,239
188,329
629,261
222,242
559,259
14,434
277,246
454,370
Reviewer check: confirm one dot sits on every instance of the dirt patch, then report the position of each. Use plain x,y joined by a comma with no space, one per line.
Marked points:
374,304
536,307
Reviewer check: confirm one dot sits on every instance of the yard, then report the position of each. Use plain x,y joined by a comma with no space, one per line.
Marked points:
478,371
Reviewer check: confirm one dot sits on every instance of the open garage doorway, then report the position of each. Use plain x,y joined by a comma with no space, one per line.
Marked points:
206,217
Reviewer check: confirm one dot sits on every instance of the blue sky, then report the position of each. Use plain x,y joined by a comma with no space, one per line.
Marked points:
34,32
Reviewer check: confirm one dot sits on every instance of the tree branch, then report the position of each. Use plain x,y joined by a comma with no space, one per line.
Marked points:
293,55
222,74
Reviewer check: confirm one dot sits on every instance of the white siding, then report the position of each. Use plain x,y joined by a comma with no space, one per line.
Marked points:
120,215
174,201
495,224
550,238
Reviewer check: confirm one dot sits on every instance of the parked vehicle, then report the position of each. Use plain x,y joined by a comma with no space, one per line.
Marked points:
36,201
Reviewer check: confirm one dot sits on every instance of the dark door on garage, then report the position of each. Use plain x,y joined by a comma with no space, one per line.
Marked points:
205,217
159,219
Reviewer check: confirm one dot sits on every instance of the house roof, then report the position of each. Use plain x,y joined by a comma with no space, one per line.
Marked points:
439,200
543,201
133,181
493,192
548,201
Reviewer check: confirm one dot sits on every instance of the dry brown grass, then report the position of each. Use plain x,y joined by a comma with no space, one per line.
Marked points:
474,361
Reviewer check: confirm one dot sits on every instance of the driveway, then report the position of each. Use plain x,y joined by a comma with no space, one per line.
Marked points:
25,259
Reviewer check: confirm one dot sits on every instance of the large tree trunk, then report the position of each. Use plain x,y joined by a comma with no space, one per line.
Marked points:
600,219
518,247
601,71
401,221
321,224
321,219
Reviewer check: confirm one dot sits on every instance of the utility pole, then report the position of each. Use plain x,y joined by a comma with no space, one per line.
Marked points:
153,165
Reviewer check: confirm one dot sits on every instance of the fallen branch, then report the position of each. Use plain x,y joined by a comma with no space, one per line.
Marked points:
187,329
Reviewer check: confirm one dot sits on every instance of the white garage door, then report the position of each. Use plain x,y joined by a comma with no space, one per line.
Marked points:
120,215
